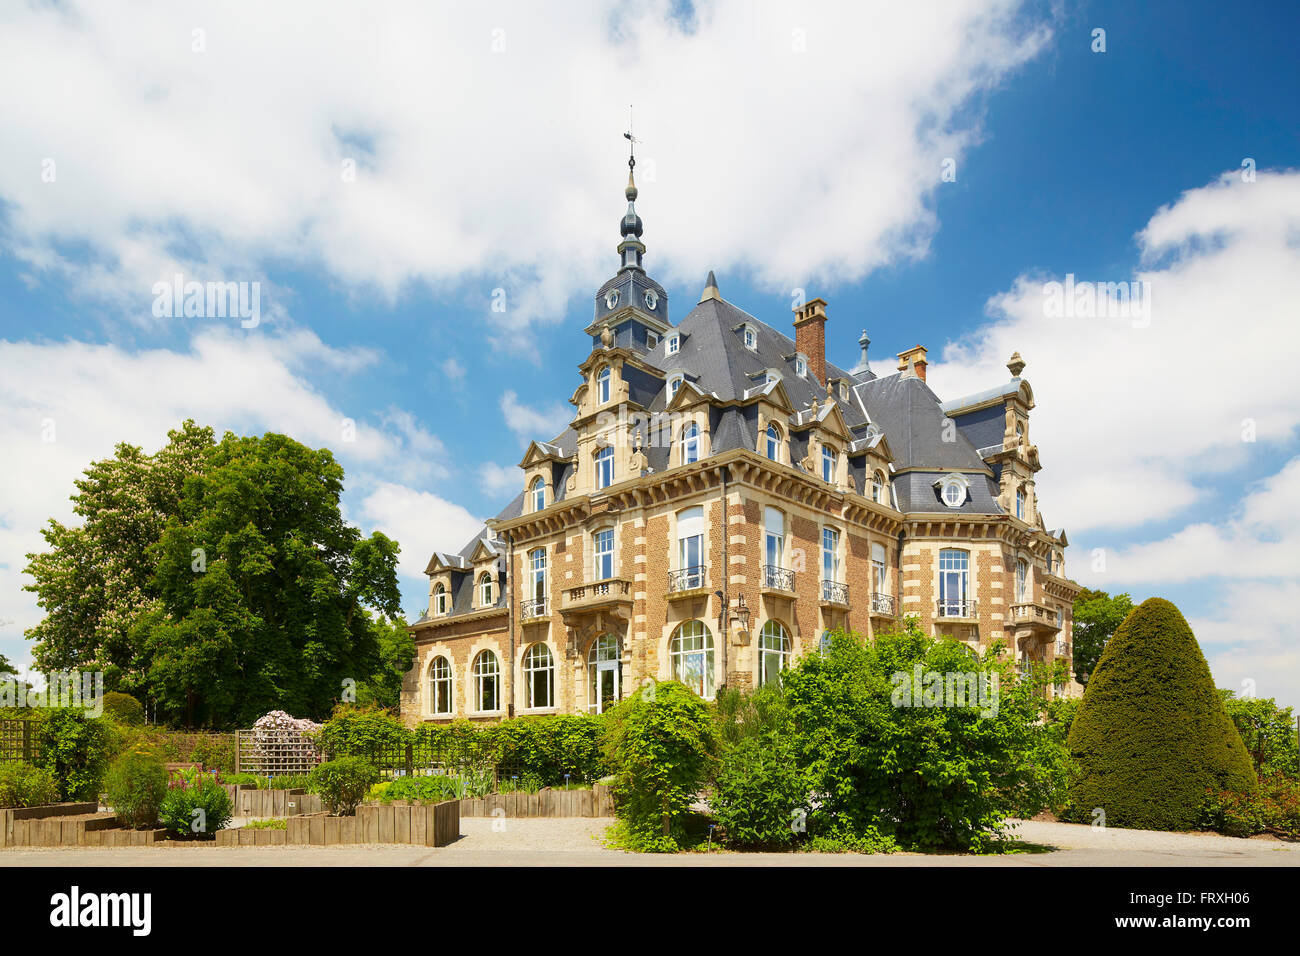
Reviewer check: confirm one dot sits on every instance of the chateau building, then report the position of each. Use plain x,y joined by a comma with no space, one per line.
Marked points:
722,499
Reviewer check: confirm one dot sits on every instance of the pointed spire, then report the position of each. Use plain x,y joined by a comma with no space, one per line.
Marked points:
863,365
630,249
710,289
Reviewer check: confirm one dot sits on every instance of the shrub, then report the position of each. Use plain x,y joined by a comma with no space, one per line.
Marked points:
890,757
549,748
343,783
1274,808
1267,731
137,784
661,743
430,789
74,748
279,823
760,797
123,708
1151,735
22,785
195,805
368,732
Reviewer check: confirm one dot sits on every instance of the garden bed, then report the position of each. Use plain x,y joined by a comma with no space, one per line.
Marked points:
429,824
12,818
596,802
275,803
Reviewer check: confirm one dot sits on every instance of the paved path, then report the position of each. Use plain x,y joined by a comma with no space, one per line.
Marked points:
576,842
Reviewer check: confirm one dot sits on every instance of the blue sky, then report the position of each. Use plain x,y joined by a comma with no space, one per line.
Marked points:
488,156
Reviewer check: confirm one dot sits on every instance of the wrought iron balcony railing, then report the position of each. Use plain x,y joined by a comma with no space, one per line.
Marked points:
956,607
778,578
533,608
882,603
835,593
687,579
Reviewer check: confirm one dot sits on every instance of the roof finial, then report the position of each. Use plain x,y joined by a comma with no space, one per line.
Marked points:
1015,365
863,365
710,288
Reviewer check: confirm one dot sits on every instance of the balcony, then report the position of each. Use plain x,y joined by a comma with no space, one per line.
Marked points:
1037,616
687,582
966,609
532,610
605,594
882,604
835,593
776,578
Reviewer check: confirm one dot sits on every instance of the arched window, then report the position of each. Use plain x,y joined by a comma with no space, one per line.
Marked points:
690,443
485,598
674,384
1020,503
602,385
605,467
691,653
604,673
773,652
440,686
439,599
487,682
539,677
878,487
537,493
773,443
824,643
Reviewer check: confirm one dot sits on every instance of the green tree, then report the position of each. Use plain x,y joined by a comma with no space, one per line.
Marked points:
1096,615
94,581
1151,735
264,588
1268,731
5,666
396,649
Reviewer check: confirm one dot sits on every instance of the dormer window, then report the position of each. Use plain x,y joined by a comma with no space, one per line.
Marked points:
605,467
651,340
878,487
773,441
611,299
750,338
690,444
1020,503
828,464
674,384
801,366
602,385
674,343
954,490
485,598
537,492
651,298
439,599
771,376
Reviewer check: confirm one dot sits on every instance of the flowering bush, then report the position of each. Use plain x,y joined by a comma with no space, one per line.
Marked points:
281,742
137,783
196,804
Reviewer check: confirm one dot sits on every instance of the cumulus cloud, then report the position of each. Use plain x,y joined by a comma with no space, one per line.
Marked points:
500,479
424,521
426,145
529,422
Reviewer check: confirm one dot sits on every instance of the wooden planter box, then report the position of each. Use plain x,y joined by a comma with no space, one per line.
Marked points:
120,837
243,836
276,803
10,816
596,802
430,824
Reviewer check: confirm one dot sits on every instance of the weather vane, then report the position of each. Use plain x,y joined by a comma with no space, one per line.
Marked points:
631,140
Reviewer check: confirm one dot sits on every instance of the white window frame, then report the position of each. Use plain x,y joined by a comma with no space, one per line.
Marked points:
773,537
957,572
831,555
750,338
772,442
828,464
1022,580
690,652
690,542
605,654
440,602
537,489
879,568
604,460
485,598
538,660
878,487
537,573
1020,502
801,366
773,649
486,671
601,555
690,443
674,345
440,679
604,389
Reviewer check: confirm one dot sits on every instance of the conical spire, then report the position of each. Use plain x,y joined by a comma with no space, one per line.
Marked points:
630,249
710,289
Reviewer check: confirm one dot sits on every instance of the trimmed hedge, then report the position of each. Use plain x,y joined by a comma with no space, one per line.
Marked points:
1151,735
123,708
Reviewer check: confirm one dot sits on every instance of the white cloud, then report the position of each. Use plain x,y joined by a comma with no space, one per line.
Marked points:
529,423
454,371
426,522
87,398
467,175
500,479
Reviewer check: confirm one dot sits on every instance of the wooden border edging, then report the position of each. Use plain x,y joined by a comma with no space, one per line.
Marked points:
11,815
428,824
596,802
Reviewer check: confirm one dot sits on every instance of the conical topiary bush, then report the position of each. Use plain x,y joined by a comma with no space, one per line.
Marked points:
1151,733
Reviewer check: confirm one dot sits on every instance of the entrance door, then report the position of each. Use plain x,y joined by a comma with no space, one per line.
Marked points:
604,673
606,685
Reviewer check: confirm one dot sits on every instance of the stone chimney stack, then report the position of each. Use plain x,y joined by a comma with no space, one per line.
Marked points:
810,336
916,354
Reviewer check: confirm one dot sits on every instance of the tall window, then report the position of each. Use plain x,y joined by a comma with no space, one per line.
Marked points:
828,464
751,340
824,643
602,385
1020,503
830,555
1022,579
487,682
439,599
774,537
539,676
773,443
485,598
674,384
773,652
954,582
604,673
878,570
604,554
674,342
690,546
605,467
537,579
878,487
537,492
690,443
691,652
440,686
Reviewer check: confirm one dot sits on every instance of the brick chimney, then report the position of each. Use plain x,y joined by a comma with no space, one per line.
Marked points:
810,336
917,353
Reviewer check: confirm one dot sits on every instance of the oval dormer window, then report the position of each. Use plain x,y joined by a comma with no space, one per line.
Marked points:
953,490
651,299
611,298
